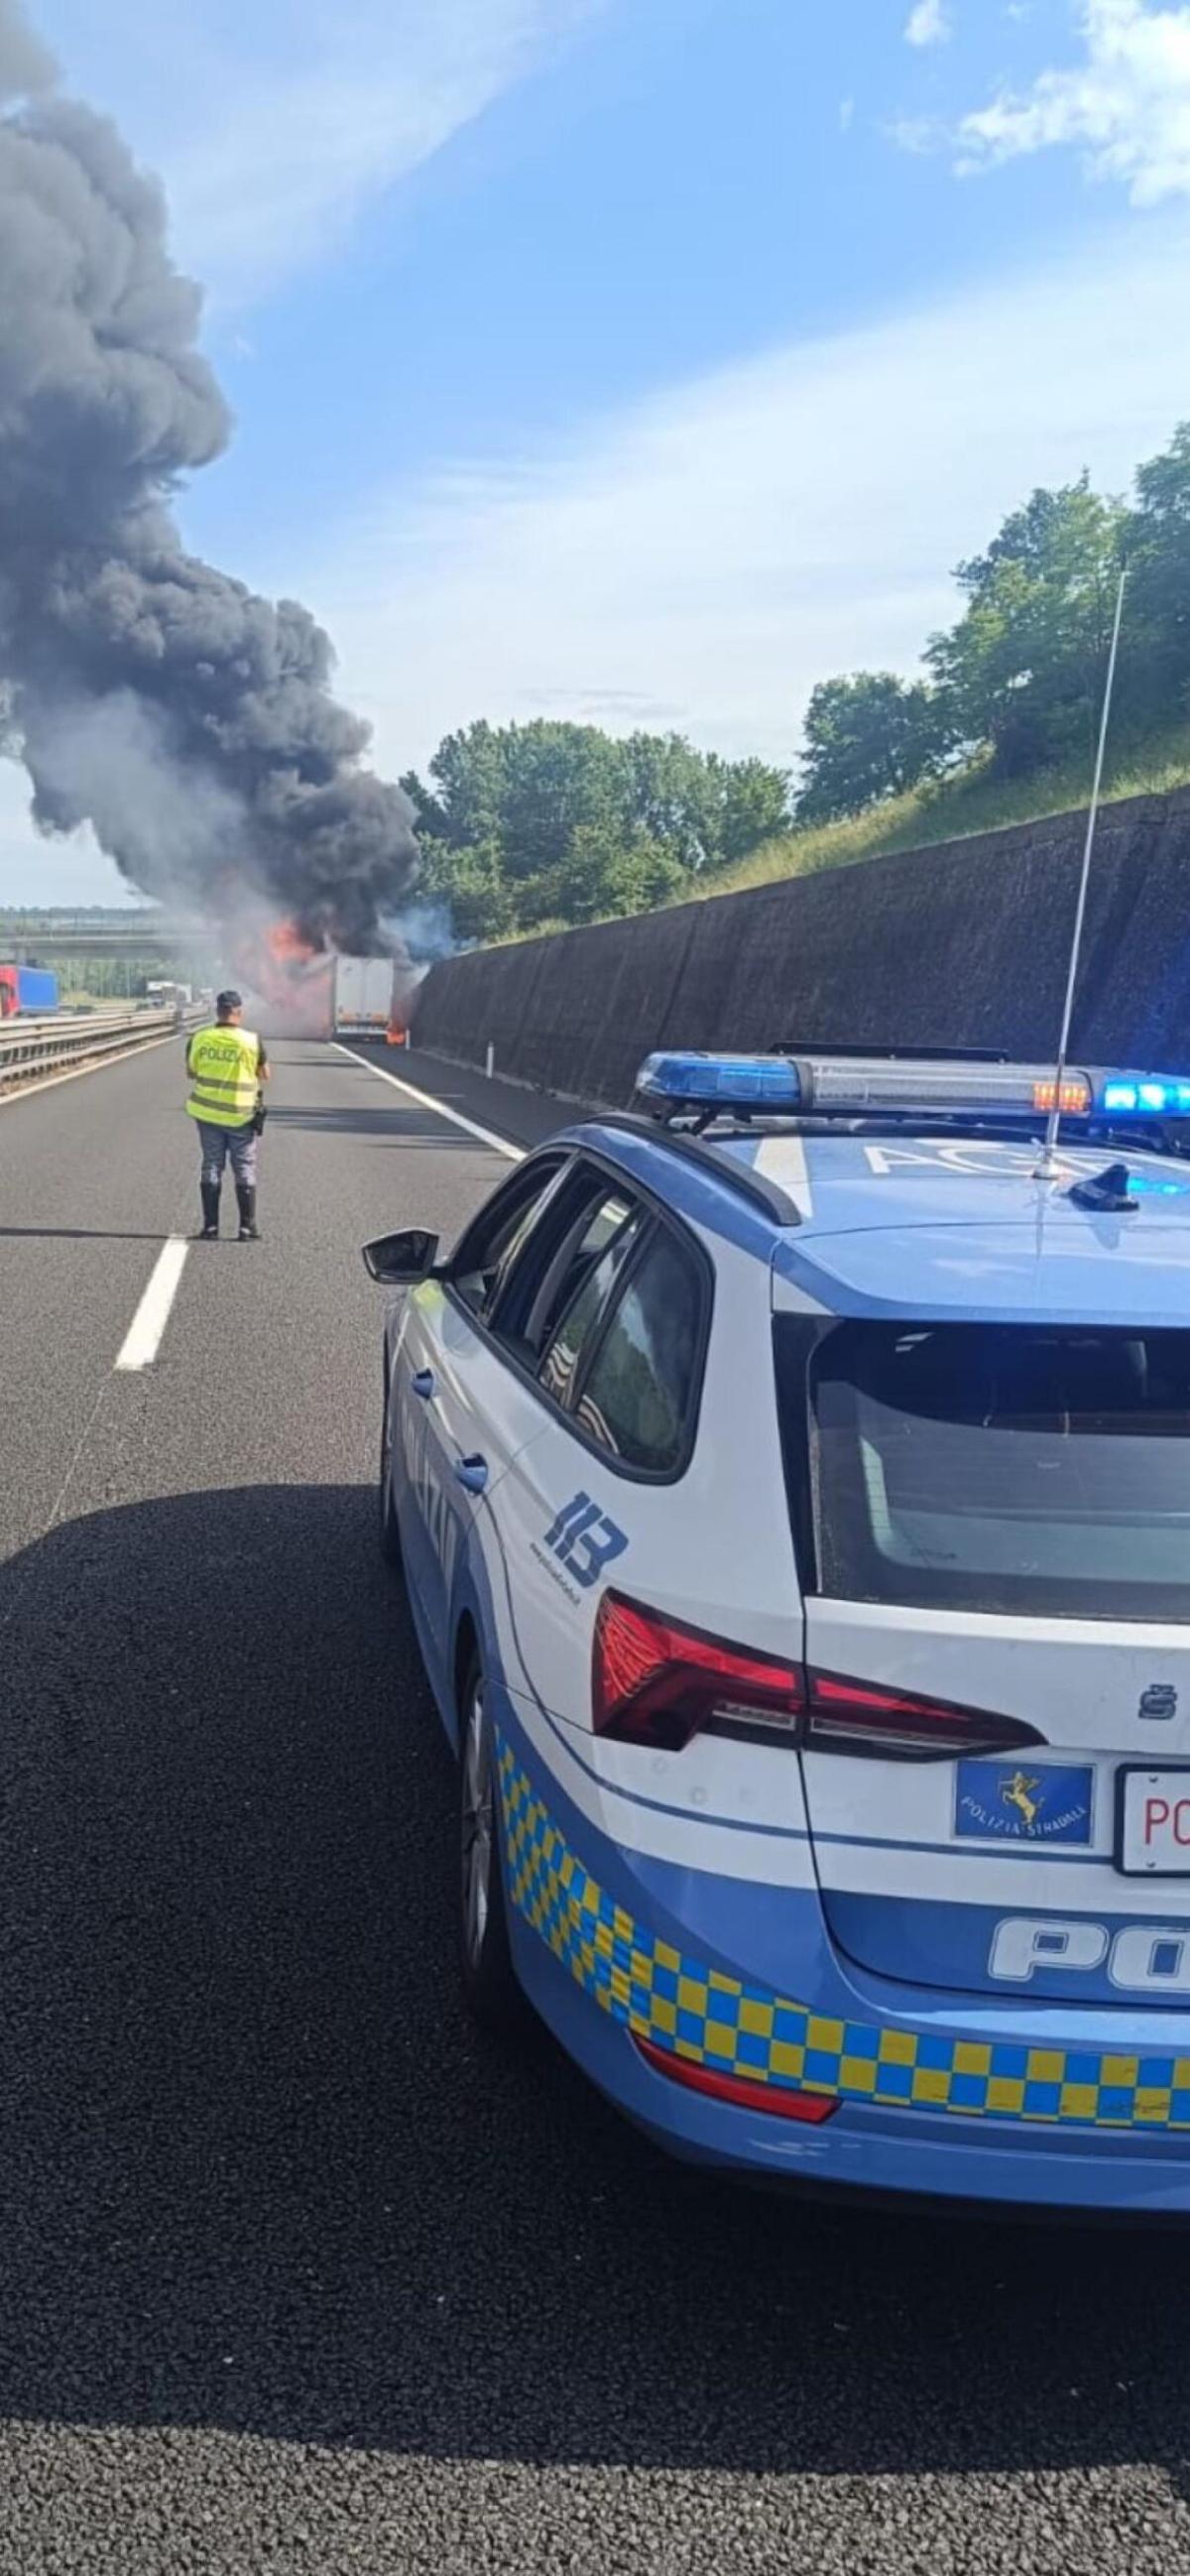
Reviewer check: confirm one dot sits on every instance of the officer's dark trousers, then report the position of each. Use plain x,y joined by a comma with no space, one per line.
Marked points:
221,1143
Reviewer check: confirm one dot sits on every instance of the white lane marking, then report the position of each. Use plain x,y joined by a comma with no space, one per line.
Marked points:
426,1100
50,1081
142,1340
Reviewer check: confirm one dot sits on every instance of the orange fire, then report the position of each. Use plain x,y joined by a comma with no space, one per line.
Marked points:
289,983
288,944
289,980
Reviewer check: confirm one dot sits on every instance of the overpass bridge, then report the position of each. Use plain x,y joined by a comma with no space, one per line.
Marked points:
148,937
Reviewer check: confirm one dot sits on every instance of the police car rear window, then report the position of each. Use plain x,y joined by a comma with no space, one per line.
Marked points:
1004,1468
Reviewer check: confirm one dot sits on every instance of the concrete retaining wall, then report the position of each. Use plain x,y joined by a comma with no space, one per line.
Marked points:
962,945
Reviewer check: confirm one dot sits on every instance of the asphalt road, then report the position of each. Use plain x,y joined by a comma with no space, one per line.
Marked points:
295,2274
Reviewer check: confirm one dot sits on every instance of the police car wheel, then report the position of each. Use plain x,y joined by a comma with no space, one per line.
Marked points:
390,1534
489,1979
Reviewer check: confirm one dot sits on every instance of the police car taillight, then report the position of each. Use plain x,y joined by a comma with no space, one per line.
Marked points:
860,1717
656,1681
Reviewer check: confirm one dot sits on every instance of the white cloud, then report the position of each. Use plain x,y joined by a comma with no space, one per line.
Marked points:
918,134
702,559
274,137
846,115
1126,102
928,23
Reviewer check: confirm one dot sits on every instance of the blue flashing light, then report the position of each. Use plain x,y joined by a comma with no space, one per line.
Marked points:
1145,1095
721,1081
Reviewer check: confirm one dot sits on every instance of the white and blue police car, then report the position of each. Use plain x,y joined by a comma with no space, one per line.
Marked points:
792,1488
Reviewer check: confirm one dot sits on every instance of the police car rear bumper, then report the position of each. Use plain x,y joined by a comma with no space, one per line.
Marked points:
1047,2111
885,2154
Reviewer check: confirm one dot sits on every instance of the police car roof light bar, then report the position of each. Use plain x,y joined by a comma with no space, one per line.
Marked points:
692,1087
685,1084
1047,1168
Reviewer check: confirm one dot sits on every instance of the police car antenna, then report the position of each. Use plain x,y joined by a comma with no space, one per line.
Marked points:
1047,1168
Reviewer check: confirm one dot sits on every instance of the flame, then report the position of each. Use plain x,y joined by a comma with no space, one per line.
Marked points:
406,979
287,974
289,945
289,978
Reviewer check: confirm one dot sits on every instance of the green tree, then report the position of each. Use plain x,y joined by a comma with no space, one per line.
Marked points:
466,801
429,813
704,809
559,779
670,794
753,804
1155,662
470,882
867,736
1023,669
607,872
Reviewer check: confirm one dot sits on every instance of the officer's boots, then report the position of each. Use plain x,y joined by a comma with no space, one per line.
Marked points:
246,1197
210,1211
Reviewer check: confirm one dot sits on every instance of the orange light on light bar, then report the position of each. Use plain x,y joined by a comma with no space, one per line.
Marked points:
1072,1097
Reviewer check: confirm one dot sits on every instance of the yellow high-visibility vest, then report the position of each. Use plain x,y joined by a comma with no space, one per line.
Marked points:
225,1073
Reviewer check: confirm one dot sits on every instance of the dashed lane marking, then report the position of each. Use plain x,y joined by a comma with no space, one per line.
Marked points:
142,1340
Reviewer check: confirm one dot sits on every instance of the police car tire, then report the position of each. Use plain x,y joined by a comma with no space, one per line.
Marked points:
489,1978
390,1531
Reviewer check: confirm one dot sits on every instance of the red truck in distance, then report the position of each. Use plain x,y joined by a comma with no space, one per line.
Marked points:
29,989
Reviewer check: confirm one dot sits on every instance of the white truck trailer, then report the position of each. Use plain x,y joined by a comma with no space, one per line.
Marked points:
363,996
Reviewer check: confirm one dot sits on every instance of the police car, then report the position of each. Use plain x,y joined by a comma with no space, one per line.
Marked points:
792,1488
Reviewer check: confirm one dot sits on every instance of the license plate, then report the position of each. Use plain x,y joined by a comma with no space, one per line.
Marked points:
1153,1837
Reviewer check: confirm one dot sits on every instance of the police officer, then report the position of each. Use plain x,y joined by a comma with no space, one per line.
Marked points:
227,1066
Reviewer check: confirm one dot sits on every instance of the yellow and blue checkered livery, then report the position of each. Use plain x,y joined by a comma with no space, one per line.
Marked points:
681,2004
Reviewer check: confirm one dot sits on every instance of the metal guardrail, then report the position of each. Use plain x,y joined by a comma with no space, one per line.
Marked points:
32,1049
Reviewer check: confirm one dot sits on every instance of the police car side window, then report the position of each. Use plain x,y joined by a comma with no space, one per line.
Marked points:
490,1246
637,1395
588,1214
592,1267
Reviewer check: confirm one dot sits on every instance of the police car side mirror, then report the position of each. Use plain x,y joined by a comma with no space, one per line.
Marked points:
400,1260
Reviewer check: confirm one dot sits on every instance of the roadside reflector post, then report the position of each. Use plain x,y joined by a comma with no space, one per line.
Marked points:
491,1060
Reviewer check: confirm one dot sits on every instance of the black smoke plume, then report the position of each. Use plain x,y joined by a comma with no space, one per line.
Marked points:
191,722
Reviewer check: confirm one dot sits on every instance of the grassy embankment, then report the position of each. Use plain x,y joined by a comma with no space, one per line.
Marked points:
973,801
949,809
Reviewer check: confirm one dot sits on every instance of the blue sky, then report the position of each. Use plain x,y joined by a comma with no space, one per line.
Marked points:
646,360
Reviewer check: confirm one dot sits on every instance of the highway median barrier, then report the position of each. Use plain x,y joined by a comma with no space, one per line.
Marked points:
33,1051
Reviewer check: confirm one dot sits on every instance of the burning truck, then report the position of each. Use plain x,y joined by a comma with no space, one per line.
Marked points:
293,990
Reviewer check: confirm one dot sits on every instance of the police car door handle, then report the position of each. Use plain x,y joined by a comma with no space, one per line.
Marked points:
473,1473
422,1382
